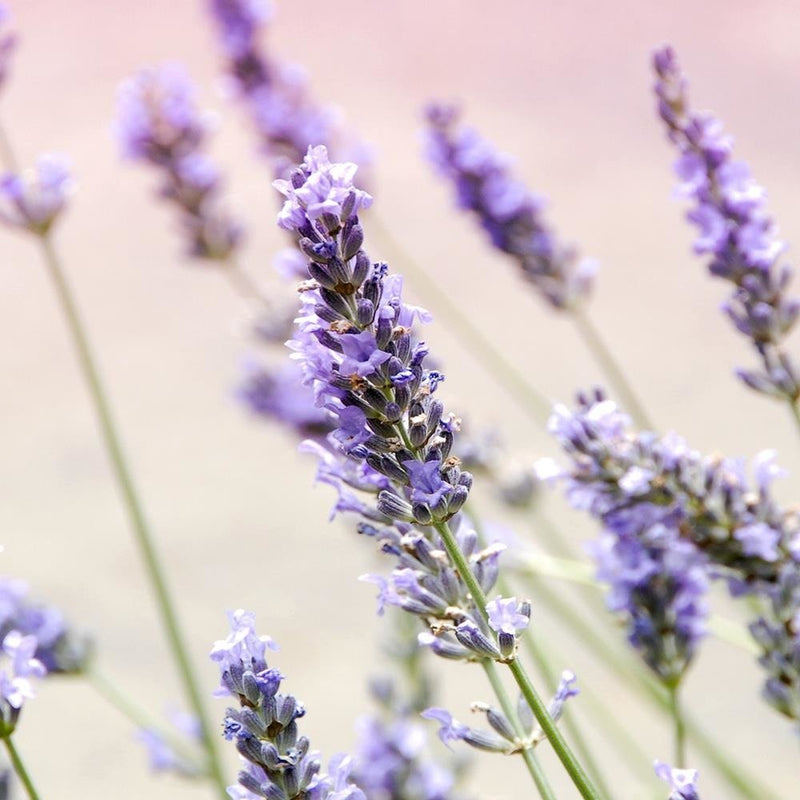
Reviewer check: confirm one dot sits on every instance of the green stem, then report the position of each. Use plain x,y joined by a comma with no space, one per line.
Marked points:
795,413
141,719
534,767
680,725
242,283
133,506
557,741
19,768
530,400
613,372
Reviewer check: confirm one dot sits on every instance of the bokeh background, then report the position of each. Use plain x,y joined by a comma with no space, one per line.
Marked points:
566,88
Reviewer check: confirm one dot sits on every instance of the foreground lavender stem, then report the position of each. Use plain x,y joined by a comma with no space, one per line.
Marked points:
354,341
512,216
735,230
19,768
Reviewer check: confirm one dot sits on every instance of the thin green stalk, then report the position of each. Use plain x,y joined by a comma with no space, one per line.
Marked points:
795,413
529,399
138,717
534,767
19,768
576,772
680,726
604,357
144,538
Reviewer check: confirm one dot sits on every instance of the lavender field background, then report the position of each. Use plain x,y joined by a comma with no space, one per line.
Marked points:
566,88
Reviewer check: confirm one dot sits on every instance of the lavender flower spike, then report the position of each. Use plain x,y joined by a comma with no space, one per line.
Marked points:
734,230
158,123
8,43
509,213
286,118
277,760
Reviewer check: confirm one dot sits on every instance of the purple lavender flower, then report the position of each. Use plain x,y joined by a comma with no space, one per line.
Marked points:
158,123
162,753
287,120
34,199
670,516
735,231
509,213
682,782
277,760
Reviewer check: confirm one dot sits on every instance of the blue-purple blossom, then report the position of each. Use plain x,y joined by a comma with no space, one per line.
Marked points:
33,200
673,519
15,677
391,762
158,122
277,761
510,214
507,615
162,753
734,230
276,94
682,782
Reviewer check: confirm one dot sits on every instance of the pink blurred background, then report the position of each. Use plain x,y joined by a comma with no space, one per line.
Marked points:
564,87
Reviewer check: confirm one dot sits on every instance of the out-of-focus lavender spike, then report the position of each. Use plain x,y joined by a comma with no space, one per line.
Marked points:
671,516
8,43
278,761
286,118
734,230
58,648
511,215
20,666
158,122
163,755
34,199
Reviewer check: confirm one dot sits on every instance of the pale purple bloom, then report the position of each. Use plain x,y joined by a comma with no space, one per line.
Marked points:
426,482
32,200
682,782
8,43
567,687
162,754
506,616
449,728
158,122
506,209
735,230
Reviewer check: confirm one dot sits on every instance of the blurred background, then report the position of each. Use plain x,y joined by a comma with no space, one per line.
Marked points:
566,89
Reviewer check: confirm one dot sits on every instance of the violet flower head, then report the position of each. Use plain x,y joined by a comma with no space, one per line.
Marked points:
509,213
16,687
158,123
277,760
163,754
682,782
735,231
277,96
34,199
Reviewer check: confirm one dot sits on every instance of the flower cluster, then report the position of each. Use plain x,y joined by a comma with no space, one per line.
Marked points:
277,95
278,762
392,438
506,209
158,123
32,200
15,684
735,231
59,649
669,515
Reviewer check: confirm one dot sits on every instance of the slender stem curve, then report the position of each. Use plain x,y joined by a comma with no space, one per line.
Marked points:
19,768
534,767
616,377
680,725
133,506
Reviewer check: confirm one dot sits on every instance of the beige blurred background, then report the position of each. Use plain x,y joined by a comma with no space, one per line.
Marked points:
566,87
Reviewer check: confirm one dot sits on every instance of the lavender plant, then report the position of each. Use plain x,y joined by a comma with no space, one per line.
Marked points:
734,230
